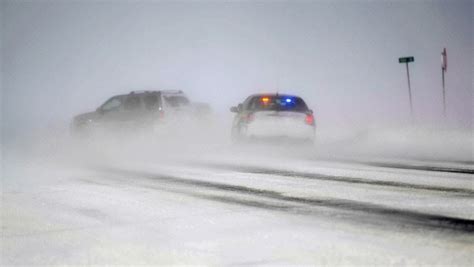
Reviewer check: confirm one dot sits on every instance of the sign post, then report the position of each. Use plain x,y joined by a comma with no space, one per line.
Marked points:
407,60
444,68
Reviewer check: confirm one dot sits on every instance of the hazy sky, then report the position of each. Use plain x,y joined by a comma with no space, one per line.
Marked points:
60,58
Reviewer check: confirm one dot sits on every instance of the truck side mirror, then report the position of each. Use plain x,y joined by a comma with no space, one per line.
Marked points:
234,109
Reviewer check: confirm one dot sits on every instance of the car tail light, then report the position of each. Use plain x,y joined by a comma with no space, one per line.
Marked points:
249,118
309,119
161,114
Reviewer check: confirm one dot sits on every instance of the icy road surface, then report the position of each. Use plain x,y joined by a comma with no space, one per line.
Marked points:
235,208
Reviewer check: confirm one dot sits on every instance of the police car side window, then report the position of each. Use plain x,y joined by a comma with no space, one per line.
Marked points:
247,103
253,103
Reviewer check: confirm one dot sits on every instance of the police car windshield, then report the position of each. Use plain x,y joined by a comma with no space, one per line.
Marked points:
278,103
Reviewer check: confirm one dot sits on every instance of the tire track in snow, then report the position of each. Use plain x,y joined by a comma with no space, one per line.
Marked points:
420,167
335,178
392,215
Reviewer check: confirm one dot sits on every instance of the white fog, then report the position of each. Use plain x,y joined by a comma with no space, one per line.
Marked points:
236,133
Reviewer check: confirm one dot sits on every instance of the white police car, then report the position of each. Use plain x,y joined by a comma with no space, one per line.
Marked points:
266,116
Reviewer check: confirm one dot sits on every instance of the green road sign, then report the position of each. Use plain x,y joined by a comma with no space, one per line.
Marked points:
406,59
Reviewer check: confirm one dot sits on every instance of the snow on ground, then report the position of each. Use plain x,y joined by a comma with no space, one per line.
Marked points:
212,203
100,218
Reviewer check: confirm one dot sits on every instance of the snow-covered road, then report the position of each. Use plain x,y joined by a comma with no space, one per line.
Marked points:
237,208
